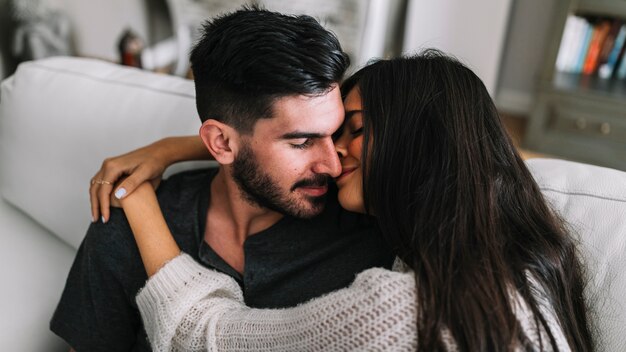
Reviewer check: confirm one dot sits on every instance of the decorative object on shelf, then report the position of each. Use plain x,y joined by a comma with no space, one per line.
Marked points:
41,31
130,47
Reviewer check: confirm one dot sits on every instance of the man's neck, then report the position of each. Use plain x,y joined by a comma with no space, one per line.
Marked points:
231,220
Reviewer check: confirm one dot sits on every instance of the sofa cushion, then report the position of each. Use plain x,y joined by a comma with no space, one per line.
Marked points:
34,265
59,119
592,200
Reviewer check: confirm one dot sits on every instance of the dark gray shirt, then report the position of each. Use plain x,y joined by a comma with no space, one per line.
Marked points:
98,312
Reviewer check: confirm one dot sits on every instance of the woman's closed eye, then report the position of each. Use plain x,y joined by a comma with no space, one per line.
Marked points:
357,132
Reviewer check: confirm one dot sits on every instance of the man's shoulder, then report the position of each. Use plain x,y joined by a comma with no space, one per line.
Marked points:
178,197
189,178
185,186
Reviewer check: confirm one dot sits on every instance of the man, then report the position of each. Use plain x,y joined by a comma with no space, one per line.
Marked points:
267,93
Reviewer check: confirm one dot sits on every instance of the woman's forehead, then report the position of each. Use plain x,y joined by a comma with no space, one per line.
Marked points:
353,100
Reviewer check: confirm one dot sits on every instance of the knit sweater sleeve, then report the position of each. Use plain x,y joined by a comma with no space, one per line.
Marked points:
186,307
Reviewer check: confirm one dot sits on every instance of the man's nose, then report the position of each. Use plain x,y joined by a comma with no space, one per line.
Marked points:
329,161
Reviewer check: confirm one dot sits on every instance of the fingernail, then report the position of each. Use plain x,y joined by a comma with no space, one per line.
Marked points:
103,221
93,219
120,193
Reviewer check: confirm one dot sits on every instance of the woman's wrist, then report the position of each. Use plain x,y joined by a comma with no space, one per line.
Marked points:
140,197
154,240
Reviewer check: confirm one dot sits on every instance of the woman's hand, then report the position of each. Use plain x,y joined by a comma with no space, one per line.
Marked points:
145,164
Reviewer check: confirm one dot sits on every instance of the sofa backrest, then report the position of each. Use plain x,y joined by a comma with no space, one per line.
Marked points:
592,200
59,119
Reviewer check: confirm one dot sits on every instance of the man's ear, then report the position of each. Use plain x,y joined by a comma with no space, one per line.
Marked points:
221,140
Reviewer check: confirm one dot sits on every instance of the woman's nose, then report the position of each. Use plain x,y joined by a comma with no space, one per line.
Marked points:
341,149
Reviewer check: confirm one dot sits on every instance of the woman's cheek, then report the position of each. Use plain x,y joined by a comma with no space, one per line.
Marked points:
355,147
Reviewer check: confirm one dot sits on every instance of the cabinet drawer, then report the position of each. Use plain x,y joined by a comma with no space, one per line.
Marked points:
587,121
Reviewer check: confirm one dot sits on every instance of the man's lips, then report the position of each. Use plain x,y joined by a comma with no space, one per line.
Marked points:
314,191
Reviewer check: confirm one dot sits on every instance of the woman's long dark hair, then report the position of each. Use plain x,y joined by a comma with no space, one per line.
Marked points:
458,205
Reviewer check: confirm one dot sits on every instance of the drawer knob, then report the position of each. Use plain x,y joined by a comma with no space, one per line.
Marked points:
605,128
581,123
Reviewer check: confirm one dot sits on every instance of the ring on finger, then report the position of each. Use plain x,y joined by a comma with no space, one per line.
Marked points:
101,182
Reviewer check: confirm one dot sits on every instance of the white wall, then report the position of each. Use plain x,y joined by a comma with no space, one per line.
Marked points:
378,16
522,62
98,24
473,31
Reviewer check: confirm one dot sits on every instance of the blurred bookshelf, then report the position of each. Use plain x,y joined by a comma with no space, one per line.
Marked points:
581,103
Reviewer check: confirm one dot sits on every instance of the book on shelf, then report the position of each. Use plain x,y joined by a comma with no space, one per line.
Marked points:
593,46
607,69
609,42
567,43
596,43
621,71
582,39
580,33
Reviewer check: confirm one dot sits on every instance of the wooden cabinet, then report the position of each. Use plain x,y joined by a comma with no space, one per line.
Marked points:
580,117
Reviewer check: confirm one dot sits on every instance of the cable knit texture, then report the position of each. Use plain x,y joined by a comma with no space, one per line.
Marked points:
186,307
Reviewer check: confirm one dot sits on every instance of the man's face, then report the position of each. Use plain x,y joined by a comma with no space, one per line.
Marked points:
286,164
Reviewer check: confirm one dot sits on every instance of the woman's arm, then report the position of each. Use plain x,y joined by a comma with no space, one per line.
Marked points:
144,164
156,243
187,307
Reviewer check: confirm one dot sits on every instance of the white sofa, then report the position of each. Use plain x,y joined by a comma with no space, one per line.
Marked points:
60,117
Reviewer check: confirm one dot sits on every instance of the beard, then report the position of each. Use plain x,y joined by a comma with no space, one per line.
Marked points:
260,189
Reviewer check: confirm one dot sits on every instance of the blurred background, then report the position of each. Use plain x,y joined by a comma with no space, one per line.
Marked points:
513,45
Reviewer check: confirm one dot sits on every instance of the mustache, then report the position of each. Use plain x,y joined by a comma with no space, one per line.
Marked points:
318,180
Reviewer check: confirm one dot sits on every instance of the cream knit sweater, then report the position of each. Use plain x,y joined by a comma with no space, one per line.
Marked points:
186,307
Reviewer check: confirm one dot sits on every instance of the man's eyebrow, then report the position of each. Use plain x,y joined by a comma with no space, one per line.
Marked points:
298,135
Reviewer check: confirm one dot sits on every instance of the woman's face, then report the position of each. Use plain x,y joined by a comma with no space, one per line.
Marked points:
348,146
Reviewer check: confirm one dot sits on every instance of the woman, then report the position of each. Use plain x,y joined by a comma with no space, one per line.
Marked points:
487,265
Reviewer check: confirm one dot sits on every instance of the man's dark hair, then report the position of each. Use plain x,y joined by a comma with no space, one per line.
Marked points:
247,59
